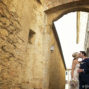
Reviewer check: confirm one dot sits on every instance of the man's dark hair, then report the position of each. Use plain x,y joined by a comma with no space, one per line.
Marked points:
84,53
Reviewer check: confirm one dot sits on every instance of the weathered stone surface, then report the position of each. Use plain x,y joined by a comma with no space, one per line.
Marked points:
10,65
53,3
24,64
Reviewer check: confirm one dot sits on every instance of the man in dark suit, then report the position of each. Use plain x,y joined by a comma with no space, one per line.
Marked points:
84,71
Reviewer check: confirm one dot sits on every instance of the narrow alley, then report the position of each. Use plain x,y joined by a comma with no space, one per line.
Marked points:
34,39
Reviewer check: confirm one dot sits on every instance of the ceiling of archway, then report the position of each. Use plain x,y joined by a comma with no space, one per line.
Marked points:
53,3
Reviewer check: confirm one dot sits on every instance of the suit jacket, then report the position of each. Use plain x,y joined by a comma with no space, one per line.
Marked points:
84,76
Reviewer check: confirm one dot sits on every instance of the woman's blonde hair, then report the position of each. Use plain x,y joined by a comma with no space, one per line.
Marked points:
75,55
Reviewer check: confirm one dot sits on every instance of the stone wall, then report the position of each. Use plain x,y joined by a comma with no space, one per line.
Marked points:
11,59
14,19
25,47
86,43
56,66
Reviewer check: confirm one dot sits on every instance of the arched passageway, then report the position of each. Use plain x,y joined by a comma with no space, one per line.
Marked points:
52,15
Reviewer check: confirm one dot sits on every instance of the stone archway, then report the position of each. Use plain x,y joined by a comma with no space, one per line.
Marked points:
52,15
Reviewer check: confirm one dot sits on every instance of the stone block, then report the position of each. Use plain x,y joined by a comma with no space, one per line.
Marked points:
3,32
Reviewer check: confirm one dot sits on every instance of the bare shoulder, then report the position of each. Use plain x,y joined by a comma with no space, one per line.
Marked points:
75,61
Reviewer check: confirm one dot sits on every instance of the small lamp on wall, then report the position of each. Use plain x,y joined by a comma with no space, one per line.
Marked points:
52,48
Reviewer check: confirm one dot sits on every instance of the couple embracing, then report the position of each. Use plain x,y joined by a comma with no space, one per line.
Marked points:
80,71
